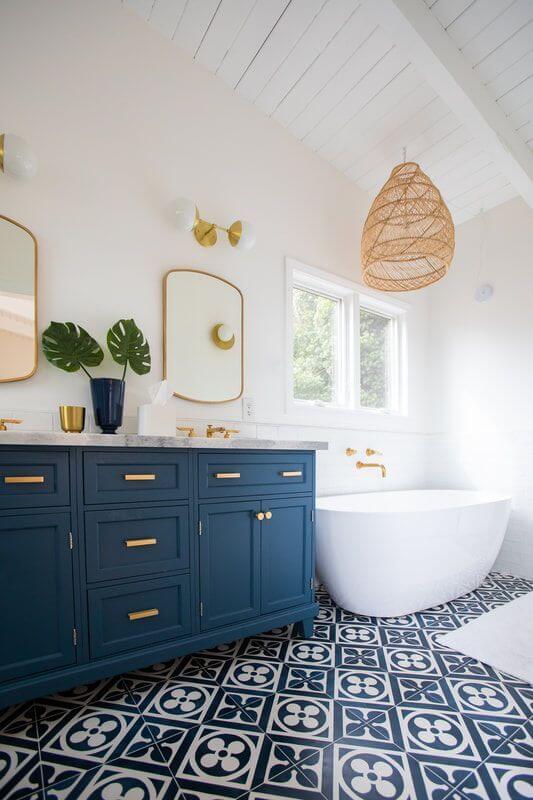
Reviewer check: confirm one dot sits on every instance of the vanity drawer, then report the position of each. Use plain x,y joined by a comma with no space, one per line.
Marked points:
132,477
230,474
29,480
129,542
138,614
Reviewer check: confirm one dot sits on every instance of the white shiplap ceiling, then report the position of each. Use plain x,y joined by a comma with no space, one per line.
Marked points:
329,72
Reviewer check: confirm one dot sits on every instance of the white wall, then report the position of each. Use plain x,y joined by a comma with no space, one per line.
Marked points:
481,371
123,124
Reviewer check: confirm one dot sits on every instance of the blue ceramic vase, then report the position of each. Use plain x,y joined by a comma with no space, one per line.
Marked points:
108,402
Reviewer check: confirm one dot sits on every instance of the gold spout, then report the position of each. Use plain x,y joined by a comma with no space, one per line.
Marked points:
9,422
186,429
361,465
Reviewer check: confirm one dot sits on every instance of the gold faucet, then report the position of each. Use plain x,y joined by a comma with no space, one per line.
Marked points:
9,421
361,465
350,451
212,430
187,429
371,452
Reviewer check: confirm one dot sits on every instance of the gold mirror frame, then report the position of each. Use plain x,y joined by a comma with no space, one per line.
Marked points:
35,293
211,275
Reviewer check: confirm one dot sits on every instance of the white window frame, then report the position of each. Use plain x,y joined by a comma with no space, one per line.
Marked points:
351,296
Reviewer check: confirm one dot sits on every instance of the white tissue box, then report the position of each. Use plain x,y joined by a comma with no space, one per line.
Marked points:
153,420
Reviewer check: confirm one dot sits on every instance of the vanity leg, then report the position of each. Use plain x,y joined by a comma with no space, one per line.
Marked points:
304,628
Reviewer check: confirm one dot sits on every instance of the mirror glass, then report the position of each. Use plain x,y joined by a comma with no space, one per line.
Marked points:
203,347
18,301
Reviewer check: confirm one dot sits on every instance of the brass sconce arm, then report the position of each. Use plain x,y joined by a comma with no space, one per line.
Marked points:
241,234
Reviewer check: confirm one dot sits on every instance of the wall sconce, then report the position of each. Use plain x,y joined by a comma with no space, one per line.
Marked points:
241,234
223,336
16,157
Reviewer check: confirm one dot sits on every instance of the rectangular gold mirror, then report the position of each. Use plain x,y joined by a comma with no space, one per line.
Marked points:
18,301
203,336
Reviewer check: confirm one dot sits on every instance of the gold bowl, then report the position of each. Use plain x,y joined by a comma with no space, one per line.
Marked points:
72,418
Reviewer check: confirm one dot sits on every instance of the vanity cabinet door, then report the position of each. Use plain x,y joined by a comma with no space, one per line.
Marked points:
229,563
36,594
286,554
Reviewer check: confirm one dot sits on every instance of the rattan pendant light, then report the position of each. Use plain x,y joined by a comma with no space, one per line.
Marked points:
408,237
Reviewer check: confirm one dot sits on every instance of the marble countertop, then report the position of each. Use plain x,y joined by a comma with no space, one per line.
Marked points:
134,440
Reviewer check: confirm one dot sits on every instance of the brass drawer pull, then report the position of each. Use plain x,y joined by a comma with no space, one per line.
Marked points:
227,474
24,479
260,516
268,514
147,477
149,612
296,474
139,542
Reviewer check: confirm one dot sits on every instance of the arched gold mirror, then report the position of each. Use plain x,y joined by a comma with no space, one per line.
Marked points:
203,336
18,301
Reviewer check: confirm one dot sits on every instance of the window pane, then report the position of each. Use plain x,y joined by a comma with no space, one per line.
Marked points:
315,348
375,337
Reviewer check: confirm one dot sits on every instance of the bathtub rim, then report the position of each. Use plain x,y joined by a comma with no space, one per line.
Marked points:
478,497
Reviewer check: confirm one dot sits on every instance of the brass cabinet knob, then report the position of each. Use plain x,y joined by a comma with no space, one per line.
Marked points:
260,516
268,514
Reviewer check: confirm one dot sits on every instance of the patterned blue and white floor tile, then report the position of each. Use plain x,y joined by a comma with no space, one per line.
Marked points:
365,710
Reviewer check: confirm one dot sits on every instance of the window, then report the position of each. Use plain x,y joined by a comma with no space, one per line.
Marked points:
315,346
376,343
347,344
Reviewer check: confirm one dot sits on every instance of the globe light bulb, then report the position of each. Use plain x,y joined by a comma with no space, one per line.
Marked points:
186,214
241,235
16,157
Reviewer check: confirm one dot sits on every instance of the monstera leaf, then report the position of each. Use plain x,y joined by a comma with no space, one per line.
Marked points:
69,347
127,345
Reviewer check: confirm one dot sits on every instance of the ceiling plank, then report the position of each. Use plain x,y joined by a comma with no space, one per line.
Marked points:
318,36
229,20
194,22
283,38
166,15
253,34
330,62
421,35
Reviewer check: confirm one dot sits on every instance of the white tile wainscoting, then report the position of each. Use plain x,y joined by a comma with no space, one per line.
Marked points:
493,460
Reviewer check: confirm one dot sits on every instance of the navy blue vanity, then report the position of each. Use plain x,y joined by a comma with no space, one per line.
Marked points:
114,558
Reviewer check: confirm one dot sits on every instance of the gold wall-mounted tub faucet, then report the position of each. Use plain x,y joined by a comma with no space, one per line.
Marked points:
382,467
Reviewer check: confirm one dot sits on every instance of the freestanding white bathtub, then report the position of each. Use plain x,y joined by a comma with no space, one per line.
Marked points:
386,554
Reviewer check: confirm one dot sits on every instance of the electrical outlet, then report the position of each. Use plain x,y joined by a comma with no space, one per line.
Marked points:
248,408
